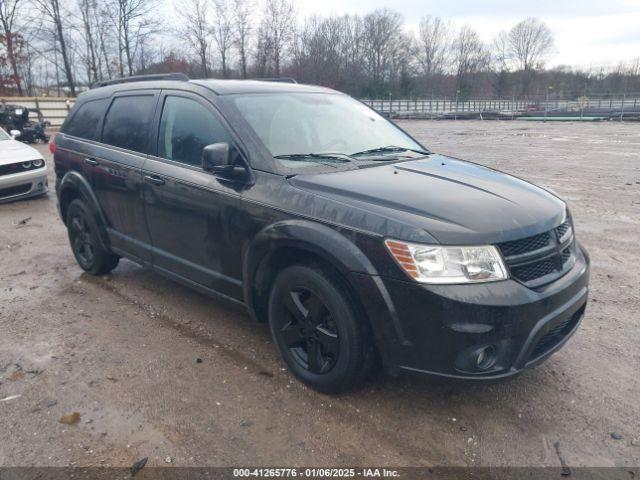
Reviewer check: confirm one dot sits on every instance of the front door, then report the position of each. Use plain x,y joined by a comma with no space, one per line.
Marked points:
190,212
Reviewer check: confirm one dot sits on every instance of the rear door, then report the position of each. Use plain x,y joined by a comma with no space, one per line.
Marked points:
191,212
78,138
116,169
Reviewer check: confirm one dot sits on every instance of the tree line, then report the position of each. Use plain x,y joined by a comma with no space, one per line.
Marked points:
59,47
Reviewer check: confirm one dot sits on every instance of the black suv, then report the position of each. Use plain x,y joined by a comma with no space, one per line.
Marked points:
324,219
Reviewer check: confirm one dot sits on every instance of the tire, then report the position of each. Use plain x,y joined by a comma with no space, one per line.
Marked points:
85,242
322,336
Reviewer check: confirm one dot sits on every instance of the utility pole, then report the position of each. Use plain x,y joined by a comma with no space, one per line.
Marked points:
546,103
455,115
624,98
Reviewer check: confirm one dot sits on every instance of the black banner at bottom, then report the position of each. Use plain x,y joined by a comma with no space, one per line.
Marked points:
403,473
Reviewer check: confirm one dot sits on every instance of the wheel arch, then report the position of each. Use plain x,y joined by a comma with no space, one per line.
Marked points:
74,186
294,241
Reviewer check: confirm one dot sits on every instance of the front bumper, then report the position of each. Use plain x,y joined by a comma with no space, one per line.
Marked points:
440,329
25,184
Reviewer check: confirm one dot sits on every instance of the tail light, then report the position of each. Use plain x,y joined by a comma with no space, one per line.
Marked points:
52,145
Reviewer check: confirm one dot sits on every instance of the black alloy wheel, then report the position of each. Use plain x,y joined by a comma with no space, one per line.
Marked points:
81,241
309,330
321,333
85,242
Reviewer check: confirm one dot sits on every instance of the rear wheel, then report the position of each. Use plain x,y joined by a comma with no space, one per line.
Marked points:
85,243
321,335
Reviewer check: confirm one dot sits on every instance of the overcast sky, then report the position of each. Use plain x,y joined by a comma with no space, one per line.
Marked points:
587,32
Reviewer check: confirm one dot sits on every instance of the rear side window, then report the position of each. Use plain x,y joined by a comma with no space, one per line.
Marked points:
84,123
186,128
127,122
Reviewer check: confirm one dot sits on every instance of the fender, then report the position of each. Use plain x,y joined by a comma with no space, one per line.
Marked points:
320,239
75,181
341,253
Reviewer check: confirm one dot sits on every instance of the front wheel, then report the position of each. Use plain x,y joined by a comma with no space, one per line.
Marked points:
85,243
321,335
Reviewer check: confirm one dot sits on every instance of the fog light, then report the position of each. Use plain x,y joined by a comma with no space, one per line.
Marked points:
486,357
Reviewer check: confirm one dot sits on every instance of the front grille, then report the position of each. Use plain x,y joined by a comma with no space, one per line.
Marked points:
534,260
526,245
562,229
15,168
11,168
529,272
17,190
556,334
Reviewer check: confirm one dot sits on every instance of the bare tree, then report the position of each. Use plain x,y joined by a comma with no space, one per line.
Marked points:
353,49
243,21
501,57
50,11
195,27
433,45
278,26
634,67
385,47
316,51
223,32
104,30
134,24
9,11
500,64
88,15
263,51
529,42
469,56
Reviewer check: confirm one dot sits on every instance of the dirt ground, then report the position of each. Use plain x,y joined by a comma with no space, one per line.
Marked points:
123,350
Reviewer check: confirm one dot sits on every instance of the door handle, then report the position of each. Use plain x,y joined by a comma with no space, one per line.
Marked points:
91,161
154,179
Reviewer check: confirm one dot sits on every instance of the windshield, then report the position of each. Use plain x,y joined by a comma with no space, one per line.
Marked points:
4,135
294,125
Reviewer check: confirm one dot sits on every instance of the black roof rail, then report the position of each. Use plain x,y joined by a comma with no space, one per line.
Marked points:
277,79
143,78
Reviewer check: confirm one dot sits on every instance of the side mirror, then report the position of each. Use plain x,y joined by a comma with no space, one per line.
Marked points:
215,159
15,133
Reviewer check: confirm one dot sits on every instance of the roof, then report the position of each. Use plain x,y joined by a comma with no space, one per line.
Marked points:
219,87
228,87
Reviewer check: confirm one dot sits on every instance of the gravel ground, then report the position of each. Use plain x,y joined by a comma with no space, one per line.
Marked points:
123,350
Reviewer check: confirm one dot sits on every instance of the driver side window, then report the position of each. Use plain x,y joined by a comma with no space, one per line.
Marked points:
186,127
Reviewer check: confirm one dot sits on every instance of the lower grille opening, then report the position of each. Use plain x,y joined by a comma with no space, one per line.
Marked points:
17,190
555,335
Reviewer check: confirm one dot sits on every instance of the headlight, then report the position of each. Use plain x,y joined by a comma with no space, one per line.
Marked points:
438,264
26,165
38,162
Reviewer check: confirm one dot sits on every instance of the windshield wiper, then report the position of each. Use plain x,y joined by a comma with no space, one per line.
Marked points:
326,156
388,149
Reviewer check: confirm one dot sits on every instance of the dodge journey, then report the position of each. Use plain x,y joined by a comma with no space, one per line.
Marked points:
352,240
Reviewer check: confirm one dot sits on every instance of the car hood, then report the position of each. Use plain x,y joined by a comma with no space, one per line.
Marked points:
13,151
454,201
